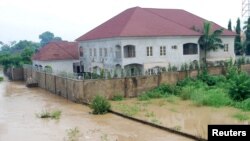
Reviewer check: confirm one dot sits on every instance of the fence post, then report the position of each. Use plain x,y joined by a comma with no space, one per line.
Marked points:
125,86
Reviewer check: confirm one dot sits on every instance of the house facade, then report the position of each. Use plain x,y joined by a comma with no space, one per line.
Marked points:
142,40
58,57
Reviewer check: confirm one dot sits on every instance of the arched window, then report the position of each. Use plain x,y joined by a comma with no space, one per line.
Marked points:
190,48
129,51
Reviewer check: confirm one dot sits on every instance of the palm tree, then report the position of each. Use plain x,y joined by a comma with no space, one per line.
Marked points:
210,39
243,46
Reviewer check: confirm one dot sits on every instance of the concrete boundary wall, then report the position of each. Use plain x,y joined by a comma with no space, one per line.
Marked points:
84,90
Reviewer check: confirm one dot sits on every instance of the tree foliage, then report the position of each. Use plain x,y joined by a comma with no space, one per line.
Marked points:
16,54
247,33
210,40
46,37
229,27
237,41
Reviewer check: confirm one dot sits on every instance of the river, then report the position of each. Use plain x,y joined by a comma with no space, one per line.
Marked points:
18,121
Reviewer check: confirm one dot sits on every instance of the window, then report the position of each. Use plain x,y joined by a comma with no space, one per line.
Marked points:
149,51
174,47
129,51
81,51
90,52
94,51
162,50
118,51
226,47
150,71
105,52
190,48
100,51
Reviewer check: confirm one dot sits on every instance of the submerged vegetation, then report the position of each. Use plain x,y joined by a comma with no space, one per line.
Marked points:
73,134
56,114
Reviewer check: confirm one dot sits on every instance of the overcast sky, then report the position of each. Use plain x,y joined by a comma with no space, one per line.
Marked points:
69,19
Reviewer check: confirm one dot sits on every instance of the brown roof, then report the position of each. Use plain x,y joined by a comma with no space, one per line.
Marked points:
57,50
143,22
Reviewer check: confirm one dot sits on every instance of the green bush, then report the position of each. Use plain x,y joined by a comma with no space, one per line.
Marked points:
186,92
214,97
244,105
100,105
162,91
117,97
240,87
1,78
209,97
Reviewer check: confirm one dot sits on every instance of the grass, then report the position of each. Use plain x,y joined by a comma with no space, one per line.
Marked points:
177,128
104,137
129,110
244,105
56,114
150,114
155,121
241,116
163,91
73,134
117,97
206,90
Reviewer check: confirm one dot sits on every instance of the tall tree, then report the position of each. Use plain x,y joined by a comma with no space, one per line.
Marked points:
46,37
237,39
247,33
210,40
229,27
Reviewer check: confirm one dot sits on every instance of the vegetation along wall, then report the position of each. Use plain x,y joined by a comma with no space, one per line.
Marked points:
83,91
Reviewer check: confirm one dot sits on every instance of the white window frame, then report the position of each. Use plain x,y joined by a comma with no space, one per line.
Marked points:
162,50
226,47
149,51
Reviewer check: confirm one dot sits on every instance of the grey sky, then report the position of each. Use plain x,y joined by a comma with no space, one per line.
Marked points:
69,19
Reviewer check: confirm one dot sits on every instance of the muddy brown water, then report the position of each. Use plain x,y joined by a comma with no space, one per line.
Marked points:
19,104
181,115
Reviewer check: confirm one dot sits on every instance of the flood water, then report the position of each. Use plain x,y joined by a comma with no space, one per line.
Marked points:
181,115
19,104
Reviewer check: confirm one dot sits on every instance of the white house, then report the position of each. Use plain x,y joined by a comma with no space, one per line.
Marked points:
141,39
60,56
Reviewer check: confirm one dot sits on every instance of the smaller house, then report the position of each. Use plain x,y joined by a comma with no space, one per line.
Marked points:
58,57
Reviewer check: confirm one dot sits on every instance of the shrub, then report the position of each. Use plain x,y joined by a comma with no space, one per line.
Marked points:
162,91
186,92
118,97
55,114
209,97
46,114
240,87
244,105
100,105
214,97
